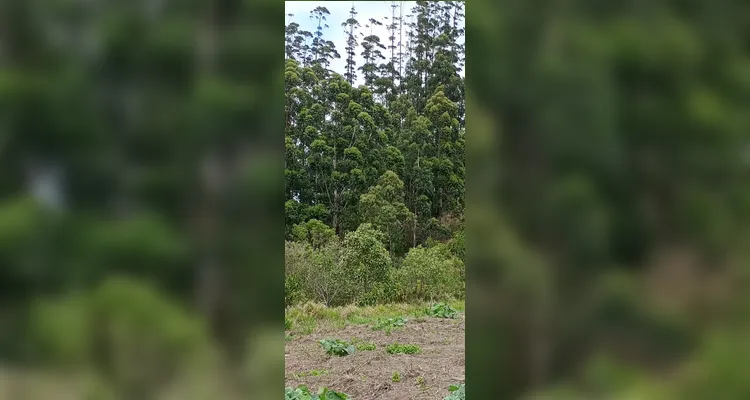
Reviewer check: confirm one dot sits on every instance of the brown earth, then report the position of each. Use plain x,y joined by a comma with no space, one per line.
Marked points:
367,375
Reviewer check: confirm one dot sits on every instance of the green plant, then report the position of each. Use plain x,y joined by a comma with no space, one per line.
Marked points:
366,346
428,273
458,392
442,310
367,260
396,377
314,372
389,324
398,348
421,383
337,347
302,392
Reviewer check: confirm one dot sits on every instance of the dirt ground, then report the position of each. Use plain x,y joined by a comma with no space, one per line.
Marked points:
367,375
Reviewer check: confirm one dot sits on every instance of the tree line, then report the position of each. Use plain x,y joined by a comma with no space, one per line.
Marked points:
389,152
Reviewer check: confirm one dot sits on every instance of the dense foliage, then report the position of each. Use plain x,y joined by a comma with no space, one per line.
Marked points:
610,203
375,171
129,190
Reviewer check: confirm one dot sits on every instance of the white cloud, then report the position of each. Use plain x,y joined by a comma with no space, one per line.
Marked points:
379,10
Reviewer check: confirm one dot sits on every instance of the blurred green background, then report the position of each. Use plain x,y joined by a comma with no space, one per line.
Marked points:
608,199
141,191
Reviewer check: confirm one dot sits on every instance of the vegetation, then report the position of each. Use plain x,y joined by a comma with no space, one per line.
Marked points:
303,393
442,310
398,348
458,392
337,347
610,199
389,324
375,167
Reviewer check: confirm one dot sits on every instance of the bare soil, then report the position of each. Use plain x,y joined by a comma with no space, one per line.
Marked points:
368,375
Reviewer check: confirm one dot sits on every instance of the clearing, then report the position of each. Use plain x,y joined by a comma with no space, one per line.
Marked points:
369,373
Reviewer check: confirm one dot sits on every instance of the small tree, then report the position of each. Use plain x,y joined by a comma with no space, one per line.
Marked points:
325,276
314,232
383,206
429,274
365,260
296,260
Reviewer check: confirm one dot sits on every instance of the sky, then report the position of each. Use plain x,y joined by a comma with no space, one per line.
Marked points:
380,10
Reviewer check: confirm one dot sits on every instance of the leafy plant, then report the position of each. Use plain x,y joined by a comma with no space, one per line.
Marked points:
337,347
428,273
302,392
389,324
442,310
396,377
398,348
458,392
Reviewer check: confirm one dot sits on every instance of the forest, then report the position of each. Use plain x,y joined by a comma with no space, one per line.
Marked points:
375,171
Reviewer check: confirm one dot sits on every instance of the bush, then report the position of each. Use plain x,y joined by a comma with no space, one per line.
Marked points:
325,280
367,264
456,245
140,340
296,260
314,232
429,274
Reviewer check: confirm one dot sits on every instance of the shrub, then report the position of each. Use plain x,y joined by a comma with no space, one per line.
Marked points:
367,263
296,260
456,245
428,274
314,232
325,279
129,330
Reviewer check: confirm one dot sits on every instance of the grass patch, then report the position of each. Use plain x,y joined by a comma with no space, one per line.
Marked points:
389,324
398,348
366,346
314,372
303,319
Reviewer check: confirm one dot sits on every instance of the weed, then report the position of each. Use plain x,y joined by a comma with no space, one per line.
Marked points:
397,348
366,346
303,393
389,324
287,324
396,377
442,310
337,347
421,383
315,372
458,392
